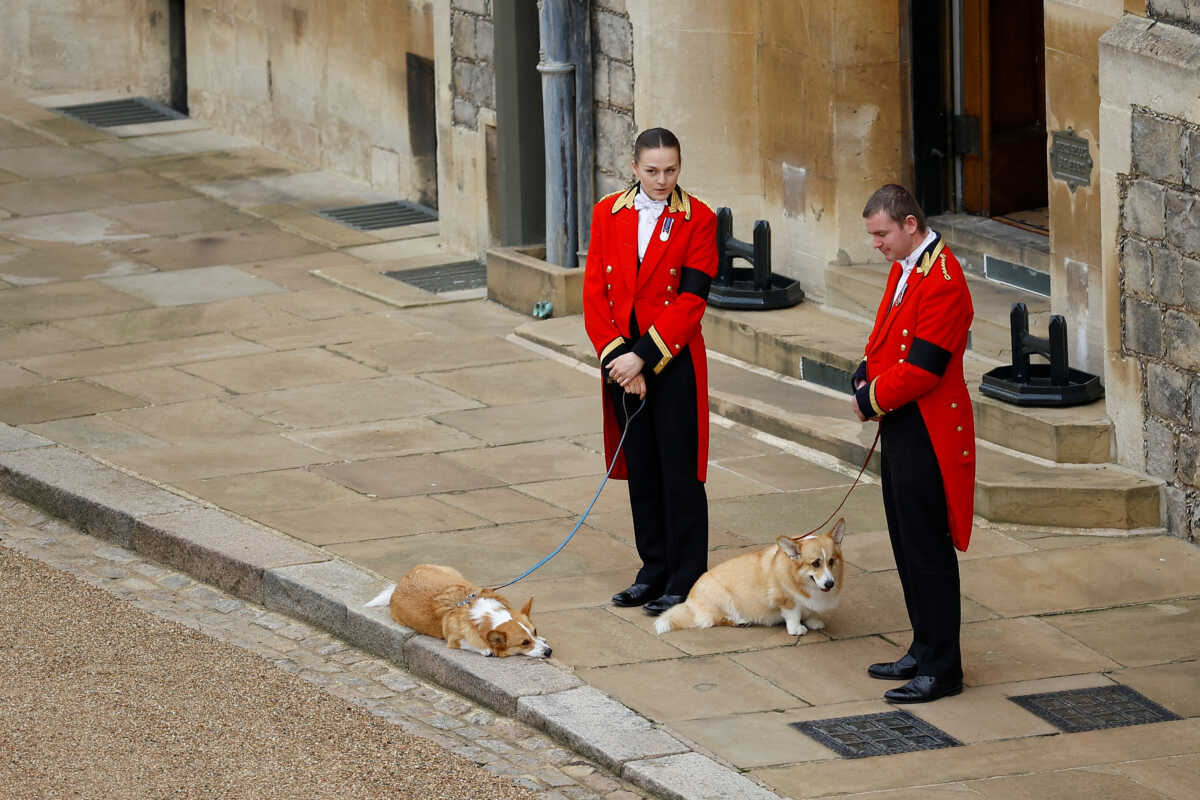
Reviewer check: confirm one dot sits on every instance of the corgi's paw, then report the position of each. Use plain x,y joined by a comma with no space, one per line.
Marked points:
814,624
796,629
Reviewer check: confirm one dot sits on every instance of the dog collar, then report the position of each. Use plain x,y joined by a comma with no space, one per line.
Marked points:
466,600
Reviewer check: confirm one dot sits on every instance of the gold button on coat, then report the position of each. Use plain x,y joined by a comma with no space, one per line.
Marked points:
674,271
904,332
903,347
608,268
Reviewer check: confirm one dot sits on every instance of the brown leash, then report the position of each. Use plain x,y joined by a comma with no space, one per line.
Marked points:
857,477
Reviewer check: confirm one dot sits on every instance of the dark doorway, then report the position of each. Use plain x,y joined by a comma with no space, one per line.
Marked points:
422,128
979,105
177,42
520,139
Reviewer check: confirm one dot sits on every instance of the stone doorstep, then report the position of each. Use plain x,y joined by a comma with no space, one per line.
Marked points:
971,237
273,570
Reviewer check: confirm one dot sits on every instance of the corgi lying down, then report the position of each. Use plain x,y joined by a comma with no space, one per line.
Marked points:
439,601
792,580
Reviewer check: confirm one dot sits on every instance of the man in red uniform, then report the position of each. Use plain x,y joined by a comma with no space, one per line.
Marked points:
911,381
652,257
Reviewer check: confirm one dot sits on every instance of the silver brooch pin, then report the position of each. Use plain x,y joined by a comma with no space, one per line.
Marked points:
666,229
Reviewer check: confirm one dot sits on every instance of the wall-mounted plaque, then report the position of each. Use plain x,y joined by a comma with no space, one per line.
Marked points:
1070,158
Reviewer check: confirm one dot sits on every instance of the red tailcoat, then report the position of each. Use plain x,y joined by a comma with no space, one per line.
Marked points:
915,353
668,293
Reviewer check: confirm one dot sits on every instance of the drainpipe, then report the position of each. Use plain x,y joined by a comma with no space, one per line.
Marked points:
585,117
558,114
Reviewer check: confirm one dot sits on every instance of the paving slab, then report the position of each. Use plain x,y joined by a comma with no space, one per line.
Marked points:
40,339
593,637
547,419
16,439
434,353
12,377
208,165
176,322
294,272
52,161
254,242
531,462
1176,778
502,384
140,356
53,196
174,217
385,438
376,521
15,136
200,285
360,401
27,404
318,304
191,420
268,371
1173,686
408,475
159,386
597,725
306,189
501,505
66,263
1006,650
1140,635
270,491
95,435
133,185
307,224
1117,571
1068,783
764,518
171,144
216,548
208,458
691,776
822,672
873,603
666,691
334,330
320,592
75,227
511,549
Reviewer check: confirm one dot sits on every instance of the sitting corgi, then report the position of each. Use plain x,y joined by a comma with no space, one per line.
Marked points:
439,601
792,580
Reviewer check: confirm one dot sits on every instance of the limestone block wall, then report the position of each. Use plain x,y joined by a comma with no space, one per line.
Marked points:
324,82
471,46
613,81
1150,229
62,45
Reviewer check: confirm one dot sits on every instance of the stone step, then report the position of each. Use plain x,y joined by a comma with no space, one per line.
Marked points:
824,346
998,251
1010,488
856,290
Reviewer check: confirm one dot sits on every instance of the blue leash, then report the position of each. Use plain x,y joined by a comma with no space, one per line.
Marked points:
628,419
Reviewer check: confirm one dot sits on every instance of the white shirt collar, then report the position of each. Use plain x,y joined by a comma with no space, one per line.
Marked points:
910,260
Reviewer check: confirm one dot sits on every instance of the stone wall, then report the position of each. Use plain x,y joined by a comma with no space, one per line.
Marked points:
325,83
1160,288
612,77
473,74
67,45
1179,12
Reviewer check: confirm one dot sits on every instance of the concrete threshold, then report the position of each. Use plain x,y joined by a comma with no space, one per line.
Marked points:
268,568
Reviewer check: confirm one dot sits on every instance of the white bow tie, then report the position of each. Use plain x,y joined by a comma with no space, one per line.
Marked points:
643,202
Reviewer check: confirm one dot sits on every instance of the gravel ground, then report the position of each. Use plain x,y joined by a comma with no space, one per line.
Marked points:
101,699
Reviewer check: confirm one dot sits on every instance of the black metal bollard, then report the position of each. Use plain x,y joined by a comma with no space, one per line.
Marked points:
1053,384
749,288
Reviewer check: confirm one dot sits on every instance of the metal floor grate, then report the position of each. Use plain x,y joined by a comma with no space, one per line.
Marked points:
1076,710
444,277
876,734
376,216
129,111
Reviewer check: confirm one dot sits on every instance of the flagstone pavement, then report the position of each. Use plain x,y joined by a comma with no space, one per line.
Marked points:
171,304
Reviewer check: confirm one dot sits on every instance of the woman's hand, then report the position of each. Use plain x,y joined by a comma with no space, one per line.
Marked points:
637,386
625,368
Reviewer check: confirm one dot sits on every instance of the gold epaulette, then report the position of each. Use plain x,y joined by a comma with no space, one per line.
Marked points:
928,259
680,201
626,198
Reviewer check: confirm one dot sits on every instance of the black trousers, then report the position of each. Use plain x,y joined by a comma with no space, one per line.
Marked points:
915,503
669,504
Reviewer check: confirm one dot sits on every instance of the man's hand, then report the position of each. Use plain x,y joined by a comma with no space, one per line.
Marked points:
625,368
858,411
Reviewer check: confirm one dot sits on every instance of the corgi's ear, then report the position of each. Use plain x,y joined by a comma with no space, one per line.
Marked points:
525,609
788,546
497,639
839,531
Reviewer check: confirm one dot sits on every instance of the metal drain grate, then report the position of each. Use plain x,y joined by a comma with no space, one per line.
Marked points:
444,277
376,216
129,111
1076,710
876,734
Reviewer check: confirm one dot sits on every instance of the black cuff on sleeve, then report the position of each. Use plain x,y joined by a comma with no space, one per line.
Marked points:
648,350
860,374
619,350
863,398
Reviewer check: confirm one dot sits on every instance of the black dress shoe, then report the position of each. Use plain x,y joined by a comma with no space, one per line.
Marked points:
923,689
656,607
900,670
636,595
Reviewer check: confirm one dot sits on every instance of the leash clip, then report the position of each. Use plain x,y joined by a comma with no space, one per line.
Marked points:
466,600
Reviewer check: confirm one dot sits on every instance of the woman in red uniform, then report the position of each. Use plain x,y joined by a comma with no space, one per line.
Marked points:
652,258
